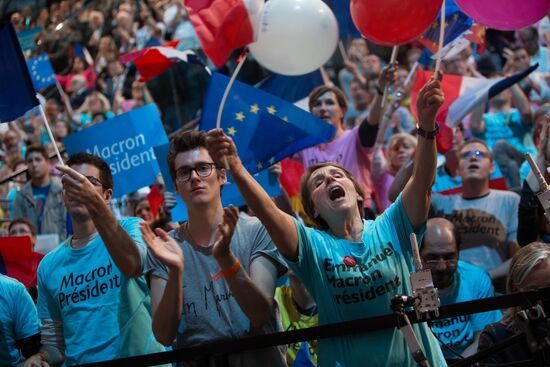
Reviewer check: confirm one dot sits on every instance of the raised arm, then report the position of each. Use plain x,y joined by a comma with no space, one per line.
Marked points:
279,225
119,243
418,191
366,133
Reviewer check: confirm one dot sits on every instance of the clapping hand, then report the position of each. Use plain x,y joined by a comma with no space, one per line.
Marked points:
164,247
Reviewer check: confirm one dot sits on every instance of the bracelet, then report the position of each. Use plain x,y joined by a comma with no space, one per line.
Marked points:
229,272
427,134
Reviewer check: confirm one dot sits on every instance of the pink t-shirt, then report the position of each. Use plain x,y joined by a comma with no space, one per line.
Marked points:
348,152
382,188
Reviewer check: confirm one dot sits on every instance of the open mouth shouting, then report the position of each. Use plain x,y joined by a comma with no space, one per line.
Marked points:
336,192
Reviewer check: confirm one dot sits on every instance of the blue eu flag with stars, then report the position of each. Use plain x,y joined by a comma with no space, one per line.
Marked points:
265,128
41,72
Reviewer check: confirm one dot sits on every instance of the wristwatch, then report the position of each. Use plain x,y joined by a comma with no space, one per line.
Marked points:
427,134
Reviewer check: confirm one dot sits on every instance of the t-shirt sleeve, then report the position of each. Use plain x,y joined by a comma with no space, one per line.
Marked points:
154,266
307,265
396,218
484,289
264,246
47,305
26,317
131,225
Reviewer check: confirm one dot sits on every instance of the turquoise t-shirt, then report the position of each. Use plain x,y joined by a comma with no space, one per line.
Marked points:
471,283
105,315
352,280
18,319
510,127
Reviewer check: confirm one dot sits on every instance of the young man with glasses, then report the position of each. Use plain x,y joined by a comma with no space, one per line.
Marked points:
213,278
457,281
486,219
89,310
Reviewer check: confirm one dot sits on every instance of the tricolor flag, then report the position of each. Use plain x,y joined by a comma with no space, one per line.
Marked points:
265,128
153,61
223,25
462,96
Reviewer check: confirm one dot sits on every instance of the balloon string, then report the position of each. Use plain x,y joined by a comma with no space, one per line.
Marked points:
441,39
342,50
226,94
392,60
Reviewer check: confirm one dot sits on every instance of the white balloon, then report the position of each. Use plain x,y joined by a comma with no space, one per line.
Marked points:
295,37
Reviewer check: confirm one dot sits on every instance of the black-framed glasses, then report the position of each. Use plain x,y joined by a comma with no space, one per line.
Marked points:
94,181
183,174
474,153
435,263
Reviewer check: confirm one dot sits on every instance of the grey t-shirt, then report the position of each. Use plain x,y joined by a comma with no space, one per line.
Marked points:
210,312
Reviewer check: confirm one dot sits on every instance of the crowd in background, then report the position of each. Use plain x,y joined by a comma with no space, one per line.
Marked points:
483,226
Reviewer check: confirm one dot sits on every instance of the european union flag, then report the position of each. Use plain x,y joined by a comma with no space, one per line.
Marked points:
456,23
17,94
41,72
265,128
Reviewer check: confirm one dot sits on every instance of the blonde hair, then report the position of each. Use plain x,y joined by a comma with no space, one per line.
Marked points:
522,265
399,138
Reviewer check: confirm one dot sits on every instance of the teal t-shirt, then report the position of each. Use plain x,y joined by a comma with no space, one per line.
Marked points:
471,283
352,280
18,319
105,315
510,127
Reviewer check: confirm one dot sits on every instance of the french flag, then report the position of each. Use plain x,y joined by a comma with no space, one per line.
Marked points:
223,25
462,96
153,61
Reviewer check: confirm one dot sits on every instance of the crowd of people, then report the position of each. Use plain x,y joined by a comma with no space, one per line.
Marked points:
111,282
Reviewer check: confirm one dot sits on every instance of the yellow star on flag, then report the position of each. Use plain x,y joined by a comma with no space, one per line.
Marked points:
271,109
231,131
285,119
254,108
290,139
272,161
259,165
240,116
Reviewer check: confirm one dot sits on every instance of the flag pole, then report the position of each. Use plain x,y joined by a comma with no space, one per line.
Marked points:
226,93
47,124
410,75
392,60
441,39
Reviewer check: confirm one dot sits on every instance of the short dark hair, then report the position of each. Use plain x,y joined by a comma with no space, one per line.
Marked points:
24,221
105,175
478,141
315,94
184,142
37,148
305,193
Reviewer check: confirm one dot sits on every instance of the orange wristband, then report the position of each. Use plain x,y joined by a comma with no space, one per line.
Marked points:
229,272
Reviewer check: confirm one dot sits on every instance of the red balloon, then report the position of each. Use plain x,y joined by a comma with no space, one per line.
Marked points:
393,22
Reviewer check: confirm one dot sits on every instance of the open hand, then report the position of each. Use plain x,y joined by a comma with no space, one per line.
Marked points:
222,149
224,232
164,247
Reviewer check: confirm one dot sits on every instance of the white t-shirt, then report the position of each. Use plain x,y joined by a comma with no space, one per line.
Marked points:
486,225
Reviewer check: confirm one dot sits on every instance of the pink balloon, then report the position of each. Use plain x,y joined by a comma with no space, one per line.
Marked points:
506,15
393,22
